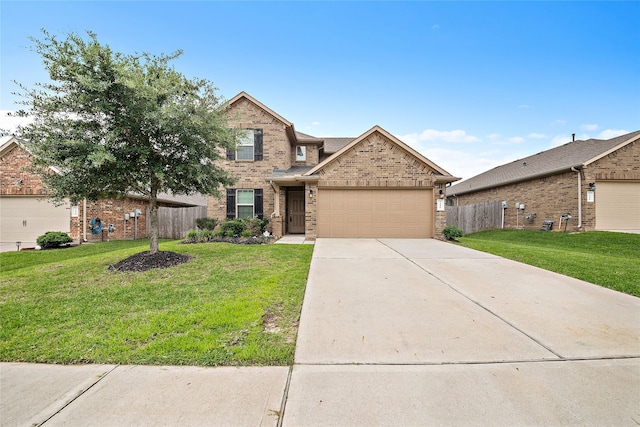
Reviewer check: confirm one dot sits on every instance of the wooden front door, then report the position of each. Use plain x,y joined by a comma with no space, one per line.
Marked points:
295,212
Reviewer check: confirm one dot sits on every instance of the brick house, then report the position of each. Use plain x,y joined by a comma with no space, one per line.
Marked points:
25,213
370,186
596,181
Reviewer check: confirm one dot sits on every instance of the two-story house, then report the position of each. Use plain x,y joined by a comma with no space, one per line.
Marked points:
370,186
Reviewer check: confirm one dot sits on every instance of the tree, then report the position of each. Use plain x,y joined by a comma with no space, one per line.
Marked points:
116,124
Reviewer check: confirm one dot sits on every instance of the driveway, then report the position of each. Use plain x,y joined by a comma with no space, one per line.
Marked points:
422,332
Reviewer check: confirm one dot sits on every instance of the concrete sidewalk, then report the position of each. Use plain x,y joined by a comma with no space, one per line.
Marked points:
392,332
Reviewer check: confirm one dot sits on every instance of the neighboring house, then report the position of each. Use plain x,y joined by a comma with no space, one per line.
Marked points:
25,212
596,181
370,186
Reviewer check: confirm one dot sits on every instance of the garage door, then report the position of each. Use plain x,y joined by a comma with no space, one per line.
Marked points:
617,205
375,213
23,219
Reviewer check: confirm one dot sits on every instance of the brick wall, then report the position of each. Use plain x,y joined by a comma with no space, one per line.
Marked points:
15,177
252,174
544,198
111,211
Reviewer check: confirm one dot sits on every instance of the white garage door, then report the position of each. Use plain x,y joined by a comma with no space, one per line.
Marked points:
617,205
375,213
23,219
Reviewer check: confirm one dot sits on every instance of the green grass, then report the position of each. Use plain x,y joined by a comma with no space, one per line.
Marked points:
230,305
607,259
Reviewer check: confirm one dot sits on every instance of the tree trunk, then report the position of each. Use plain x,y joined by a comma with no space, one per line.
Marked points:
153,216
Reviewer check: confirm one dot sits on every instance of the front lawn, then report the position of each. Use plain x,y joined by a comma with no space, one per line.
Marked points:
608,259
230,305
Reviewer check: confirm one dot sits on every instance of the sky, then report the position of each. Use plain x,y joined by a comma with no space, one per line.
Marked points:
471,85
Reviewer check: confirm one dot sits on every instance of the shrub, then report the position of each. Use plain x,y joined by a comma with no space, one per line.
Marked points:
205,235
206,223
255,226
232,227
53,239
192,234
246,233
452,232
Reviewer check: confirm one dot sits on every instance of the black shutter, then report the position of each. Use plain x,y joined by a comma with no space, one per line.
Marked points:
231,154
258,202
257,144
231,203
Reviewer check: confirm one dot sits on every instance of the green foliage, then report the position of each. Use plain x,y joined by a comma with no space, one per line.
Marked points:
205,235
192,234
53,239
207,223
255,225
246,233
600,257
115,123
67,307
452,232
232,227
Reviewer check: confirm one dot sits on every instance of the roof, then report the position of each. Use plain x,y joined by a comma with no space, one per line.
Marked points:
575,154
333,145
259,104
304,137
440,174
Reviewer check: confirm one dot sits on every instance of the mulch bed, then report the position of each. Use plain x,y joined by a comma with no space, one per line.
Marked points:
144,261
260,240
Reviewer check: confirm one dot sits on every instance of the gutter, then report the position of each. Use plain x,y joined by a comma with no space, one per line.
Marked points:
573,169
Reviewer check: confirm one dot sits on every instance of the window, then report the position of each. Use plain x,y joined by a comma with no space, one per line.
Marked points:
244,201
249,146
244,150
301,153
74,211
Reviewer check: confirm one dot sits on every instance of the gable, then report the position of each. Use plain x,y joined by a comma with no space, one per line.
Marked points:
377,156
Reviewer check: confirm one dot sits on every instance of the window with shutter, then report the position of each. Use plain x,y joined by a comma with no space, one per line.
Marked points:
258,202
231,203
257,144
244,204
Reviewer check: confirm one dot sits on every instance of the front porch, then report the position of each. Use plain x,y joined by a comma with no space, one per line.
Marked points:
294,203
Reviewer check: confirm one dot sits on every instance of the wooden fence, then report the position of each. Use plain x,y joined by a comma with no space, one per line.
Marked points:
173,223
476,217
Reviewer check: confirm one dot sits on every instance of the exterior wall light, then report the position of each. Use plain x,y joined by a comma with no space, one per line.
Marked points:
592,186
311,192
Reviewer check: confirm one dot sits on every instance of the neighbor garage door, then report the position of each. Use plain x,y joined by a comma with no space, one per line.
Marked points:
617,205
375,213
23,219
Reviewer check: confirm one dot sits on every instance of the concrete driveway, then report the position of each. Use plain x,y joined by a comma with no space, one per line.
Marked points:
422,332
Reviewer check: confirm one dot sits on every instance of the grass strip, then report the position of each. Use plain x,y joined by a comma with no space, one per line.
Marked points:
604,258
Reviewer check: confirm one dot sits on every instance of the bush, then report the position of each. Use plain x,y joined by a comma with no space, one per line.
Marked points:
255,226
53,239
232,227
452,233
192,234
206,223
205,235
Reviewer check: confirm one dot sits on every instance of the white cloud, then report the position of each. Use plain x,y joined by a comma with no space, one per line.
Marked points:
590,127
516,139
432,135
466,164
524,106
559,122
611,133
10,123
493,136
316,123
536,136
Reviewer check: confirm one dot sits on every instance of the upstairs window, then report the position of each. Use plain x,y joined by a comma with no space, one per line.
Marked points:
249,146
301,153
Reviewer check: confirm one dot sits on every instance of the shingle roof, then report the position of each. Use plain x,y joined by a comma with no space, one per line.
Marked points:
333,145
555,160
292,171
304,136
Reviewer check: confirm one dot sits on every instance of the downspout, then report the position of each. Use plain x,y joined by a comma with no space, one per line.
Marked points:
84,220
579,196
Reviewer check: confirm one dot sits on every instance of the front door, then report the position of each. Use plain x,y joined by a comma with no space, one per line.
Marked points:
295,212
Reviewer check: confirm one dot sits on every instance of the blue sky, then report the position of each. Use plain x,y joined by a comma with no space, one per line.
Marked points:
469,84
